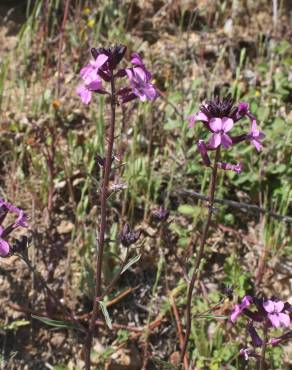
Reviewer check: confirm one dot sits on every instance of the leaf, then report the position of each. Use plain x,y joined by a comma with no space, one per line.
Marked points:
186,209
16,324
56,323
106,314
163,365
131,262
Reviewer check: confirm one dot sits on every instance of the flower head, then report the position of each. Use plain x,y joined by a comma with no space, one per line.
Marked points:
91,79
219,116
239,308
140,78
114,54
220,127
128,237
21,221
275,313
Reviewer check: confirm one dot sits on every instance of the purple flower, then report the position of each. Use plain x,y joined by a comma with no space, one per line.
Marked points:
204,153
275,314
92,81
245,352
238,309
140,84
6,207
220,127
219,116
256,136
232,167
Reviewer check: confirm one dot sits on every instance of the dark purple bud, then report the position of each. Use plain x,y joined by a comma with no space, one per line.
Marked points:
231,167
20,245
256,340
115,55
128,98
3,213
128,237
160,214
121,73
282,338
204,154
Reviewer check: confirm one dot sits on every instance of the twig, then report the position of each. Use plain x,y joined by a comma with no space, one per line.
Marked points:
179,330
239,205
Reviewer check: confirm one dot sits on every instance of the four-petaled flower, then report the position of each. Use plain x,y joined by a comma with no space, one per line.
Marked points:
6,207
219,116
256,136
92,81
275,313
220,127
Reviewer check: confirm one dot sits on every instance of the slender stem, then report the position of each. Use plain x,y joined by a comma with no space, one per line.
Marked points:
199,256
102,228
264,346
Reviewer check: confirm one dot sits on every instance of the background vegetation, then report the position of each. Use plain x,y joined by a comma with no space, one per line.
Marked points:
48,144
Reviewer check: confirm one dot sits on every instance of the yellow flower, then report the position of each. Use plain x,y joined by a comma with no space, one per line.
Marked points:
56,104
91,23
257,93
86,11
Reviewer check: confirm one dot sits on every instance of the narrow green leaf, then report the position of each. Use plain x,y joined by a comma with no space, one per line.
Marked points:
106,314
56,323
131,262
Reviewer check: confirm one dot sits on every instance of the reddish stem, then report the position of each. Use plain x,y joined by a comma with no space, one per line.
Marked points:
199,257
102,228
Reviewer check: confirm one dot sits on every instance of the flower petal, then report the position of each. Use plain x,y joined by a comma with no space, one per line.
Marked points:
246,301
284,319
4,248
100,60
227,124
215,140
84,93
279,306
269,306
226,141
215,124
199,116
275,320
257,144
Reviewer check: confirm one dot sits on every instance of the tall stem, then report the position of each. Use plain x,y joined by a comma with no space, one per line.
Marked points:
264,346
102,228
199,256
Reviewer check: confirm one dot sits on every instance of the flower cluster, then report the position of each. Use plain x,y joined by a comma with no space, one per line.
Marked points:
219,117
5,248
269,313
103,69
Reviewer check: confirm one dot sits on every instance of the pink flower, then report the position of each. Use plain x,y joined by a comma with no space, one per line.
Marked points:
140,83
246,301
275,314
6,207
92,81
199,116
220,126
255,136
